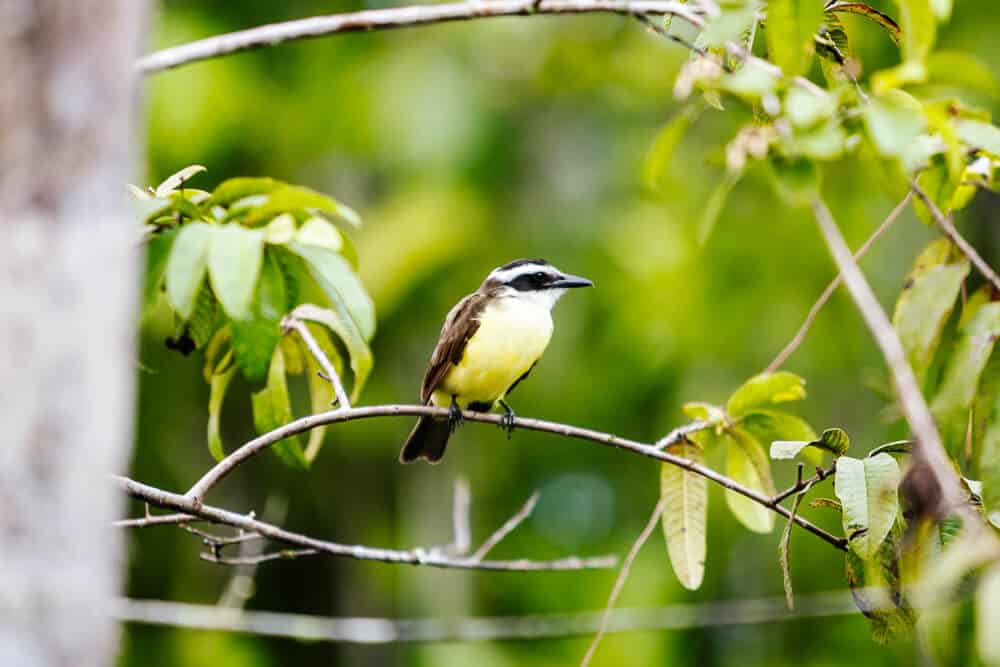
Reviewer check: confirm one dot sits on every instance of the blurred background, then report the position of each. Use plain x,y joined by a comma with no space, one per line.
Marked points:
464,146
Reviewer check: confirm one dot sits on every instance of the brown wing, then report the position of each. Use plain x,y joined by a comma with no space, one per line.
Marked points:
462,322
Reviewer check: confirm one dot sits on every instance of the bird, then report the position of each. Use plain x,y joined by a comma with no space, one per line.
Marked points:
489,343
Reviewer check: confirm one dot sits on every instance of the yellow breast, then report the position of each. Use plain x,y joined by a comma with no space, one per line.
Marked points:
512,335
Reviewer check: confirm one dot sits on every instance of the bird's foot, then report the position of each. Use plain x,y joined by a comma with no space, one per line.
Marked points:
507,419
455,418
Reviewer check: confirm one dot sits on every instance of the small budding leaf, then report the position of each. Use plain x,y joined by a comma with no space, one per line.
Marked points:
867,489
176,180
685,497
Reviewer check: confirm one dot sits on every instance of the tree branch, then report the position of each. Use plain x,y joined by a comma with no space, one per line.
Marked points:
398,17
949,230
195,495
800,335
290,323
434,558
508,527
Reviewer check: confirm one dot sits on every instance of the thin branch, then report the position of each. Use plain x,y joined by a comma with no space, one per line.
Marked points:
508,527
153,520
911,400
800,335
257,559
366,630
175,501
228,464
681,434
663,32
821,474
964,246
298,326
616,590
398,17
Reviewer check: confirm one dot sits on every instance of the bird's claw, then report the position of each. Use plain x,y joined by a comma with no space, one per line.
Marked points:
507,419
455,417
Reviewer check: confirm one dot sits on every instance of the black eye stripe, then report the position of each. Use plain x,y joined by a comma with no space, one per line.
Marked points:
531,281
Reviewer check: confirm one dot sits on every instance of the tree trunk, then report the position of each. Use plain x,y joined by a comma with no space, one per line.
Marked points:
68,277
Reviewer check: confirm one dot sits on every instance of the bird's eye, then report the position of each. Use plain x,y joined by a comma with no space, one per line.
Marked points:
540,276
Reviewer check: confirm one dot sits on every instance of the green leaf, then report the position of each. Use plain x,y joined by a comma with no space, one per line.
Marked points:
989,464
286,198
186,266
272,408
988,616
894,122
234,189
203,322
321,394
966,363
867,488
340,284
705,412
895,447
833,440
790,27
234,265
807,109
320,233
253,343
174,181
768,426
751,81
926,302
961,69
977,134
661,152
213,350
281,230
796,181
916,19
715,205
941,9
217,393
784,548
342,325
157,253
730,25
877,590
685,497
747,463
872,14
764,390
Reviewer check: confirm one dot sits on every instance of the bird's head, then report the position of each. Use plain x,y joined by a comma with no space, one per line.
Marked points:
532,280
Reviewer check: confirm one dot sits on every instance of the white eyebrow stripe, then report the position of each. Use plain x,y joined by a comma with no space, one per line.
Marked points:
507,275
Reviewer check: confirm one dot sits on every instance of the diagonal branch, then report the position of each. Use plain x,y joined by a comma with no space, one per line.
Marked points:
298,326
399,17
508,527
197,492
306,544
946,225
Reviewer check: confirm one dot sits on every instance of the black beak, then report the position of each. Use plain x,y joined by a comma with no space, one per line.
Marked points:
568,281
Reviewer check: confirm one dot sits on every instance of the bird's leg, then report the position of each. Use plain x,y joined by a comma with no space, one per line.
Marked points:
507,420
455,418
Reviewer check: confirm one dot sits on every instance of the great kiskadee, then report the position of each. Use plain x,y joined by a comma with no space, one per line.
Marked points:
490,341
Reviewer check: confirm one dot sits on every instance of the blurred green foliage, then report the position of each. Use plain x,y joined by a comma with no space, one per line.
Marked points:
463,146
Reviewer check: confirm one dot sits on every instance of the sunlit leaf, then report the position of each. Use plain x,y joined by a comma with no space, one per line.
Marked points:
705,412
685,496
217,393
186,266
942,9
789,30
978,134
867,489
286,198
833,440
342,325
157,253
174,181
272,408
764,390
280,230
916,19
870,13
234,189
320,233
714,206
661,152
747,463
807,109
927,299
341,285
730,25
894,122
967,361
989,463
234,265
961,69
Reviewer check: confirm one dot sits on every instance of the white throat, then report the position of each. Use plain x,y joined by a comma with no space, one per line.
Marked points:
545,298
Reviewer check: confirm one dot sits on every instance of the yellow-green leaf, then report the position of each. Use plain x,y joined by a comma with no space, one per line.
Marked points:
764,390
790,27
217,393
967,361
867,489
234,265
176,180
341,285
988,616
747,463
342,325
272,407
916,19
658,157
685,497
186,266
977,134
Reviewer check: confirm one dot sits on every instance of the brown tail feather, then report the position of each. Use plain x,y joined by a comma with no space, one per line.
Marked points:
427,440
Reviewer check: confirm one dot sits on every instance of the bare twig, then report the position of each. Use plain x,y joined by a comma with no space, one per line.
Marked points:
368,630
616,590
298,326
154,520
681,434
398,17
911,400
508,527
175,501
946,225
821,474
258,558
228,464
662,32
800,335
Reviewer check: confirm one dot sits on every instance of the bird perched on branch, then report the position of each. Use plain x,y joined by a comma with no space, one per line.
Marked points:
490,341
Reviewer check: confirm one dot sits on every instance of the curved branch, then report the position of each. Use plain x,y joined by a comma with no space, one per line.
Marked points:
180,503
398,17
197,492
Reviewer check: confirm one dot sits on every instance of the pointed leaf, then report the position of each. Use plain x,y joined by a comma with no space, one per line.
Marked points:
174,181
967,361
253,343
715,205
234,265
342,325
916,19
157,254
790,27
978,134
281,230
766,389
747,463
867,488
705,412
234,189
320,233
894,122
342,286
927,299
685,497
870,13
217,393
272,408
895,447
768,426
186,266
664,145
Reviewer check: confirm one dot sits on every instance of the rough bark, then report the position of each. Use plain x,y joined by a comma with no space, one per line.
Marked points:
68,276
